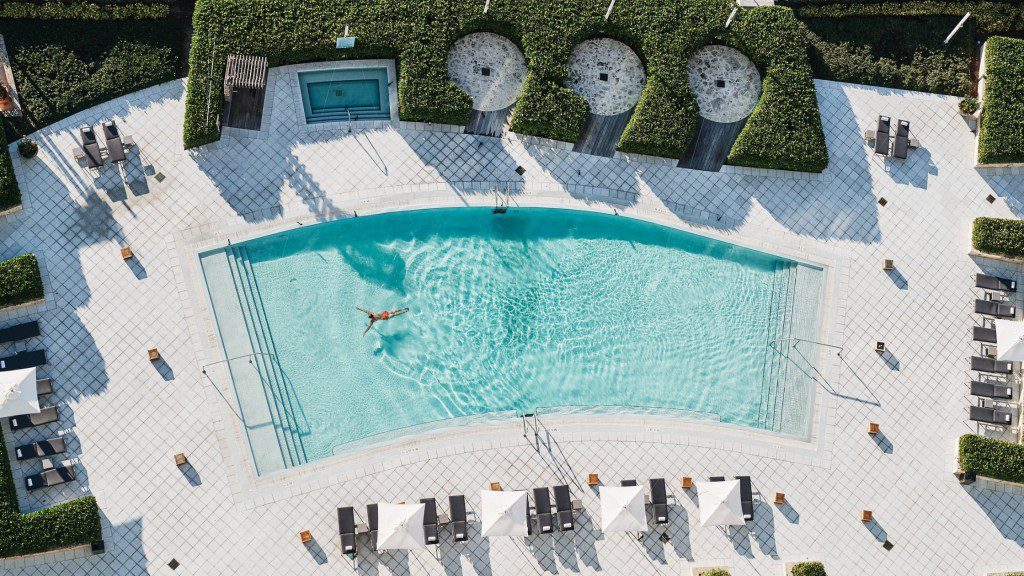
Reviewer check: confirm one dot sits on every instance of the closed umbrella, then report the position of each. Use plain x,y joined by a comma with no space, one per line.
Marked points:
504,513
400,526
18,392
622,509
720,503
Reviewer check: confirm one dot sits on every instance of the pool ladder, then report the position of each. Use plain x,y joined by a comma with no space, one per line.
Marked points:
501,202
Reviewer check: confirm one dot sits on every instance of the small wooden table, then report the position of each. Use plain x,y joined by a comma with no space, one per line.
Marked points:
593,480
154,354
305,536
180,459
687,483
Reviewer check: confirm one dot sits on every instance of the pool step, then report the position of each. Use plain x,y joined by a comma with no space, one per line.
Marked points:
342,116
272,378
775,372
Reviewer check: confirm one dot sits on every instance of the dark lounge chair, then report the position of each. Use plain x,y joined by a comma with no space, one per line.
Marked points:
44,387
19,332
40,449
628,483
347,529
563,506
902,142
995,283
115,150
27,359
542,509
371,519
983,334
990,416
882,136
90,147
457,504
995,308
746,498
429,520
51,477
45,416
991,390
991,365
659,499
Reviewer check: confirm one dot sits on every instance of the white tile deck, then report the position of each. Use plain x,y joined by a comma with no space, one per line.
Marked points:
126,416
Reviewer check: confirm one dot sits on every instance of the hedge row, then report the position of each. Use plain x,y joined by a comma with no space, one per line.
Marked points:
1003,236
992,458
10,194
992,17
809,569
20,280
83,11
62,526
419,34
1001,134
784,131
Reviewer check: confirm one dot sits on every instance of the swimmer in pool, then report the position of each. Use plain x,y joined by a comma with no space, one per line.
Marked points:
385,315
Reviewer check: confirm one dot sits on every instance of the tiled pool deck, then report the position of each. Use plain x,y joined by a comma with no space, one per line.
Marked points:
127,416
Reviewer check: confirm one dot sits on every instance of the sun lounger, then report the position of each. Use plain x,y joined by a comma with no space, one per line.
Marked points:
902,143
628,483
746,498
90,147
983,334
19,332
991,390
40,449
347,529
371,519
51,477
115,150
542,510
46,416
990,416
563,506
659,499
429,520
882,136
26,359
44,387
983,364
994,308
457,504
995,283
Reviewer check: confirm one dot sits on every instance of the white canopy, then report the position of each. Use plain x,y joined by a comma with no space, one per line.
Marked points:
18,392
504,513
720,503
400,526
1009,340
622,509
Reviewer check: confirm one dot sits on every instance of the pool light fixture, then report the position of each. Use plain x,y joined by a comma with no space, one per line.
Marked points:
345,41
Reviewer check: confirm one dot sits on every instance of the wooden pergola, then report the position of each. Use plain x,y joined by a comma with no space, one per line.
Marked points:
245,87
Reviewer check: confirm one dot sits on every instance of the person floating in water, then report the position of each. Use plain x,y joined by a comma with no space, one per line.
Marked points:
385,315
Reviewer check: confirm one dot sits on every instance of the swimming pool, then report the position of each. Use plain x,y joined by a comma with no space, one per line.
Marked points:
345,94
517,312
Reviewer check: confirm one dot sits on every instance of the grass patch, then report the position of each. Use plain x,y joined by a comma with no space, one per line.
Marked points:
1002,236
992,458
1001,134
20,280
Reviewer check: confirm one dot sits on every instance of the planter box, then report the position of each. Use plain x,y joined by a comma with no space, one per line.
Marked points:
978,254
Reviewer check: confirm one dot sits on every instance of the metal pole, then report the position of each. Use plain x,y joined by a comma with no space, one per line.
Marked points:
487,6
732,16
957,28
609,11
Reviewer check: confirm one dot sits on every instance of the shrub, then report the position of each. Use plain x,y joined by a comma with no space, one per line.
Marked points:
809,569
991,17
27,148
1001,134
550,111
991,457
969,105
20,280
83,11
1003,236
10,194
716,572
784,132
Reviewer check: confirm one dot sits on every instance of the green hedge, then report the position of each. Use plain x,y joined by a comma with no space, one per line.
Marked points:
992,458
10,194
784,132
83,11
989,17
1001,135
1003,236
716,572
20,280
69,524
809,569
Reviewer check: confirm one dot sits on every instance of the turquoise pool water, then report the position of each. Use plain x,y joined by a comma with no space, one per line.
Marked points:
332,95
535,308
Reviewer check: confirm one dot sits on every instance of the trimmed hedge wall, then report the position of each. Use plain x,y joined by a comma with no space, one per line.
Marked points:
992,17
1002,236
1001,134
992,458
83,11
809,569
20,280
10,194
784,131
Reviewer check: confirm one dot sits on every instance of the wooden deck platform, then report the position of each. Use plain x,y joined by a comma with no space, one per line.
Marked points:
711,146
601,134
488,123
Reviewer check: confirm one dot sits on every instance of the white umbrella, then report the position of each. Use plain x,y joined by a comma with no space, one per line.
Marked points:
720,503
18,392
504,513
400,526
622,509
1009,340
